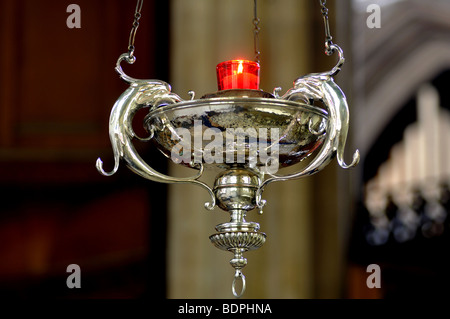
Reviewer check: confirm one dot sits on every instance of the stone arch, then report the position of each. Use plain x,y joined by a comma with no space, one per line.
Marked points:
386,98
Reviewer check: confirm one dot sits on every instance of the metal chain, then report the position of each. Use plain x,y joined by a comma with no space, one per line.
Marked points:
137,16
328,37
256,31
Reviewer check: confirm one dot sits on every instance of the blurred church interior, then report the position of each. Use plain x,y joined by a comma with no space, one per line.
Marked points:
133,238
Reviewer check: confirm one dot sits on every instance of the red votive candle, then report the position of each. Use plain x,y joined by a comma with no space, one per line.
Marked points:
238,74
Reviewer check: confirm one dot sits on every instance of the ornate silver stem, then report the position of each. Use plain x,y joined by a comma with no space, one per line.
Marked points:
235,190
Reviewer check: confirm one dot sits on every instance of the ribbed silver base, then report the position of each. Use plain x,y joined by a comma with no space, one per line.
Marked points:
238,240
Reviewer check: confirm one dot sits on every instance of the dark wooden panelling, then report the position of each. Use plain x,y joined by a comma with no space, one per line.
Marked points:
59,84
57,87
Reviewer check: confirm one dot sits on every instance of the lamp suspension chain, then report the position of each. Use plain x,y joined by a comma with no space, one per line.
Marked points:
137,16
256,30
328,37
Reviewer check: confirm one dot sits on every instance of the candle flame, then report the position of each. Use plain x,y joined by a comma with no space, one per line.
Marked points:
240,69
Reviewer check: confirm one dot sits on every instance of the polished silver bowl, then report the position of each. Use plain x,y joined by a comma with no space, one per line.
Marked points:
297,129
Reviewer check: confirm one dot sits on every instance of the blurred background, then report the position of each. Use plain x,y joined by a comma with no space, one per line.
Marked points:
137,239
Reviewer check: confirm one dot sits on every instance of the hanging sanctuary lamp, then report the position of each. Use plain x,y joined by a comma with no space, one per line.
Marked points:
255,134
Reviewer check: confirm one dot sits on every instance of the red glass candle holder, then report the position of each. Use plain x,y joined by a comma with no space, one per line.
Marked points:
238,74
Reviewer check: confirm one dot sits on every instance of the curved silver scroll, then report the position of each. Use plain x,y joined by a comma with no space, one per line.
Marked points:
321,86
141,94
